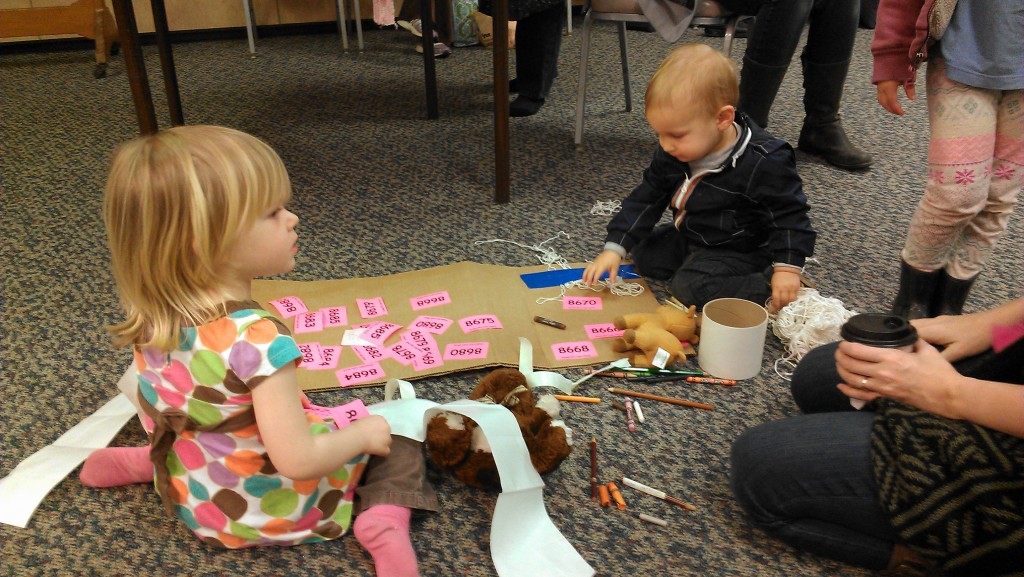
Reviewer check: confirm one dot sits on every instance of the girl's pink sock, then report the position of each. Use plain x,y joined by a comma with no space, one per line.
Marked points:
115,466
384,531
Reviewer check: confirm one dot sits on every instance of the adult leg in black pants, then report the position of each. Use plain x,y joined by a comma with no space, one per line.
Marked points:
825,59
538,42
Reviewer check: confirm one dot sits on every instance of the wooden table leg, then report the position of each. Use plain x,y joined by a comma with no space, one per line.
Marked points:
501,134
135,67
429,68
167,63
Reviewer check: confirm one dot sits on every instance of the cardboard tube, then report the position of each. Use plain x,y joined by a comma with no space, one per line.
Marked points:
732,334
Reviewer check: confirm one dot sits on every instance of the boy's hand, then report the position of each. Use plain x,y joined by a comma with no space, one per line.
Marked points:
785,287
606,262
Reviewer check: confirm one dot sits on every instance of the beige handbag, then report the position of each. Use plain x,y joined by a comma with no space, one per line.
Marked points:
939,17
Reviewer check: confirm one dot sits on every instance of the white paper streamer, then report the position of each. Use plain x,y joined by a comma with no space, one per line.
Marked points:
24,488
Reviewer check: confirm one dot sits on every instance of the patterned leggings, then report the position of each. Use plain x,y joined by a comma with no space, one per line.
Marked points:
975,173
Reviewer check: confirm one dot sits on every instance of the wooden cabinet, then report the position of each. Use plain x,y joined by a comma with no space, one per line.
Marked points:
199,14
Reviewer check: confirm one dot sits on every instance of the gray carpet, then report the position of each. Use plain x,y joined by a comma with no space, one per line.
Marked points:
381,190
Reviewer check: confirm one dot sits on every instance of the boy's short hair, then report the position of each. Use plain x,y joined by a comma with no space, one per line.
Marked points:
694,75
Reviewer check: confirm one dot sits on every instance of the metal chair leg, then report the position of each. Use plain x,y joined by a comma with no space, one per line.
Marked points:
581,88
250,25
342,25
359,24
626,86
730,32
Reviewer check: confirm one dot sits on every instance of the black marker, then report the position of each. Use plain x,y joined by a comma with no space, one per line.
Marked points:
549,322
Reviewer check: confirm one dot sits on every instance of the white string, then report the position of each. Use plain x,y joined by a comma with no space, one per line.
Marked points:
554,260
606,207
809,321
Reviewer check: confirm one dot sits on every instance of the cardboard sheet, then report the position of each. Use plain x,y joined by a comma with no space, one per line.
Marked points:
465,290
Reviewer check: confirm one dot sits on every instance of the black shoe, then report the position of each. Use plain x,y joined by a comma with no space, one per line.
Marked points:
640,26
718,30
525,106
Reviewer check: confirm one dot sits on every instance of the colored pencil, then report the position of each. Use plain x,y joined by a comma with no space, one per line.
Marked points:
669,400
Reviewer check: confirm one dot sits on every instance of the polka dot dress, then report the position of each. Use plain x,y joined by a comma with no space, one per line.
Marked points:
221,483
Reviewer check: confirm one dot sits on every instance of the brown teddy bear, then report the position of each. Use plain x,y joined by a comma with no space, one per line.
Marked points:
667,329
456,442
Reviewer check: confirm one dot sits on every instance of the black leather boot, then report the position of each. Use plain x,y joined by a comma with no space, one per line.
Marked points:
759,83
822,134
950,295
917,290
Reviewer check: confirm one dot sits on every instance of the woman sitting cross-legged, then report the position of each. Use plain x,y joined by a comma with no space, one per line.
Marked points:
928,477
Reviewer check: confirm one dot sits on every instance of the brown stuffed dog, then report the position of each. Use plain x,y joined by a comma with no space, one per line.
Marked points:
455,442
666,328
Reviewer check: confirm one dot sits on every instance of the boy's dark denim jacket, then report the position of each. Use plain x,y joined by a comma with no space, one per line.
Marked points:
755,199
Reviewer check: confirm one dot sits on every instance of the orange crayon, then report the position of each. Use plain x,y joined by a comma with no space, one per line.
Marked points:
617,495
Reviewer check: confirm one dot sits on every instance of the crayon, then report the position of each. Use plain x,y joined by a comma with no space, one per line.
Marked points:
549,322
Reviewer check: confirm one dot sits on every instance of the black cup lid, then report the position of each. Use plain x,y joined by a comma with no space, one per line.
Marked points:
879,330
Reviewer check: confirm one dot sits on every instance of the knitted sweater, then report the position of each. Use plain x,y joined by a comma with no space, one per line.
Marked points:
954,491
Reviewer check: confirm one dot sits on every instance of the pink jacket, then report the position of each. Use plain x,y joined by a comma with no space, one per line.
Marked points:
901,40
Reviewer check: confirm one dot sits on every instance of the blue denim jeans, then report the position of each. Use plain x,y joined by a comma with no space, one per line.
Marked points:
808,481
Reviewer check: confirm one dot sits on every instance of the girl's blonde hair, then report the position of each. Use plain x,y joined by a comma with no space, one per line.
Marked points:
174,206
694,76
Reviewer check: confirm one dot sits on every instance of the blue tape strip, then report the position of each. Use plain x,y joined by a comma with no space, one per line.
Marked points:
550,278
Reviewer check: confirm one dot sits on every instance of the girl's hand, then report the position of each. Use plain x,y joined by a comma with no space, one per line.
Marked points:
888,95
606,262
922,379
375,434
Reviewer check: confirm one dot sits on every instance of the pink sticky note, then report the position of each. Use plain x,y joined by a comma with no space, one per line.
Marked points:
309,322
427,361
602,331
289,306
574,350
377,333
479,322
404,352
435,325
359,374
310,355
582,303
431,300
329,357
420,339
370,308
345,414
335,316
370,354
466,351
